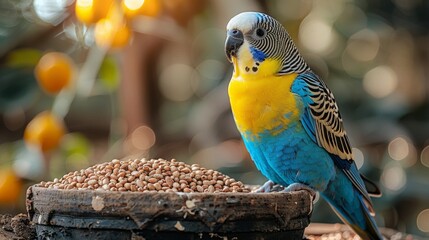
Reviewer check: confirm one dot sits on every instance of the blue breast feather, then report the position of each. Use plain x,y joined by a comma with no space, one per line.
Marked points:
291,157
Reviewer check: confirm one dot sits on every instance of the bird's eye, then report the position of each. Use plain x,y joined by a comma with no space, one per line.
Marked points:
260,32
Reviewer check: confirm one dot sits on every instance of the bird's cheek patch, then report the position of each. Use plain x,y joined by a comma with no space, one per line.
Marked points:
258,55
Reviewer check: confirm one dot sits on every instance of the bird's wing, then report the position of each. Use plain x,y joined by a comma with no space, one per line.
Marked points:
322,122
321,119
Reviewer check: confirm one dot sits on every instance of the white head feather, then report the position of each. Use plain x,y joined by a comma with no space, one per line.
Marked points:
243,21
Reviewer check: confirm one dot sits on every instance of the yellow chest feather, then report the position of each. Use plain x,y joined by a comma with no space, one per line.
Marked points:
262,103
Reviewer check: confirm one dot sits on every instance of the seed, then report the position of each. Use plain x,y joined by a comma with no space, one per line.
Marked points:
169,181
132,166
92,182
154,175
157,186
105,181
176,185
139,183
158,176
152,180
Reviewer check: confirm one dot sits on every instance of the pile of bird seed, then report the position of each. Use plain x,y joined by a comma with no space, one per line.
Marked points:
141,175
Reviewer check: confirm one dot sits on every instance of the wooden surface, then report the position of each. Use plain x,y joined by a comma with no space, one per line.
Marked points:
200,214
19,227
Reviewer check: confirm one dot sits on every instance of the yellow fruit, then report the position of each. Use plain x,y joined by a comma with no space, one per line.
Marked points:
111,33
10,187
149,8
90,11
44,131
54,72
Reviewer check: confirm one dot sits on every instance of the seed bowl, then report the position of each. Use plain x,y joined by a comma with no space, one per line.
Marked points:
62,212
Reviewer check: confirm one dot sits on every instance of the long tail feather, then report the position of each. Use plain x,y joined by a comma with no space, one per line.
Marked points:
348,203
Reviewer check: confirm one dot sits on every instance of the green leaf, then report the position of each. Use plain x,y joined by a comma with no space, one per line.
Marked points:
109,74
75,143
24,57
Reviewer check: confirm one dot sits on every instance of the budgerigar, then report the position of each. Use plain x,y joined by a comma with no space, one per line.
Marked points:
290,123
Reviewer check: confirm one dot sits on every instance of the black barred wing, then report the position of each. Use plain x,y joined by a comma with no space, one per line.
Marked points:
322,118
322,121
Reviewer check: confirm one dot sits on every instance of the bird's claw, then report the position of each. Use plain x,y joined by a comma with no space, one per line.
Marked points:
266,187
269,186
299,186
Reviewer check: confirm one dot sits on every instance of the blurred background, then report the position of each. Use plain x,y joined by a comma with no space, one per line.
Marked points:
87,81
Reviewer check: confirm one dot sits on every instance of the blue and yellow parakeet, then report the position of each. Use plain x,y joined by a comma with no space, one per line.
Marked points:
290,123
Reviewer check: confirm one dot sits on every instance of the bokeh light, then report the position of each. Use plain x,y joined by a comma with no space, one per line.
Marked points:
363,45
424,156
316,35
380,81
133,4
398,149
423,220
358,157
51,11
143,138
393,177
178,82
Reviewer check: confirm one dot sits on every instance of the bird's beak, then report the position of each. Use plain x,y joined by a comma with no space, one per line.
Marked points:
233,42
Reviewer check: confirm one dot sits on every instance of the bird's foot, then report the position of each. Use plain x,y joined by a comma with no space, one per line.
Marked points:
267,187
270,186
299,186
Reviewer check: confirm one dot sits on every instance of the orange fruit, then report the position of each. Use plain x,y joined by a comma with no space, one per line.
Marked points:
10,187
112,33
44,131
90,11
54,72
133,8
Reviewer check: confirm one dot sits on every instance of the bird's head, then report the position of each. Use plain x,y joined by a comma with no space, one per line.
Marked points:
258,44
